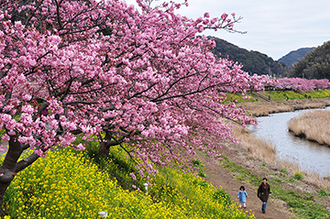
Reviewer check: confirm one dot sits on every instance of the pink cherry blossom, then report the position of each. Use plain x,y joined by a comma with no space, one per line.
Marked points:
301,84
206,14
80,147
145,79
133,176
5,137
2,148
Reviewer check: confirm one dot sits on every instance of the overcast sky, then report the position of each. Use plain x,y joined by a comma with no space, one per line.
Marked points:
274,27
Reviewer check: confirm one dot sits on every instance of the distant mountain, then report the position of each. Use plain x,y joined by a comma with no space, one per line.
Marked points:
314,65
253,62
293,56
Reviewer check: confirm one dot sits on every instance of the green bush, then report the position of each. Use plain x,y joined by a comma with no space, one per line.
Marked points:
197,163
298,176
223,196
201,173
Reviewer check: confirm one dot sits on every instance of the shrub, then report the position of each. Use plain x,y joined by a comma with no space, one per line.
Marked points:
197,163
222,196
201,173
298,176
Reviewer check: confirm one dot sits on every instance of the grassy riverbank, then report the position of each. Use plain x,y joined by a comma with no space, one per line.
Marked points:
313,126
282,101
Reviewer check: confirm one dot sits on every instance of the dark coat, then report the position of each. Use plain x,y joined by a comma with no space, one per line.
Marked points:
263,192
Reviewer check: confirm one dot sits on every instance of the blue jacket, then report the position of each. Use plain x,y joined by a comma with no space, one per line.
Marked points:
242,196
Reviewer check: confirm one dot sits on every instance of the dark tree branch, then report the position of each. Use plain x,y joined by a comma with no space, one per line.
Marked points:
21,165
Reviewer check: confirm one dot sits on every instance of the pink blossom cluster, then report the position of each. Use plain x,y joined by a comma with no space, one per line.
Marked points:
141,80
302,84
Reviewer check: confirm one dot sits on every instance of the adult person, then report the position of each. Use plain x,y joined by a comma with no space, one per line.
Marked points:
263,194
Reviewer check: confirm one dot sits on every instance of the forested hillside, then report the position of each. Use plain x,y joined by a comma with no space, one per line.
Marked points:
253,62
294,56
315,65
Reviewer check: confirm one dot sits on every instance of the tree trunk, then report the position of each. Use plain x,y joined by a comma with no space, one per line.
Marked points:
106,143
8,168
104,149
3,188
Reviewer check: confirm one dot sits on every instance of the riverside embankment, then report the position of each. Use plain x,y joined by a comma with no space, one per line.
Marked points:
296,192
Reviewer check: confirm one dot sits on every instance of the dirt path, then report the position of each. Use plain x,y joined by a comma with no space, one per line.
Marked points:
220,176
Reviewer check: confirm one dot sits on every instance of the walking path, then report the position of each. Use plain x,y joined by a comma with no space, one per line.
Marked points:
218,176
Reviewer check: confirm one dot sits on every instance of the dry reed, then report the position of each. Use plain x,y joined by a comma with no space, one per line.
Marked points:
265,108
314,126
257,148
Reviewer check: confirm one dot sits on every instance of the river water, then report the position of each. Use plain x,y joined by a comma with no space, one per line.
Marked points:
309,155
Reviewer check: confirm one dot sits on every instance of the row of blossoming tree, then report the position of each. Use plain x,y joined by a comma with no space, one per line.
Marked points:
301,84
141,80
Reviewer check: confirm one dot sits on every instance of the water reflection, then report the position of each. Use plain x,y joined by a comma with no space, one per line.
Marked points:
309,155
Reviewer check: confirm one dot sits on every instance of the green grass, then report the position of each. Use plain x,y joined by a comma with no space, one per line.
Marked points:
292,95
318,94
279,95
301,203
322,192
239,98
283,171
283,95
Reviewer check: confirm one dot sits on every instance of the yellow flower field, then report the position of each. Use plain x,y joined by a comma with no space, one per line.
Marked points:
67,185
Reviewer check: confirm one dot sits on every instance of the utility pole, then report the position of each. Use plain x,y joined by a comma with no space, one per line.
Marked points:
269,73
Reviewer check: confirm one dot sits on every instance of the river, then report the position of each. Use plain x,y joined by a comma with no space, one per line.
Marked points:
309,155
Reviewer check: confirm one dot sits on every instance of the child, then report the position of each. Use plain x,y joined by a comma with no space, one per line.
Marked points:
242,196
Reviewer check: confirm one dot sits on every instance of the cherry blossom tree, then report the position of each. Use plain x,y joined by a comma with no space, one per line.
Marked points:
144,80
297,84
302,84
321,84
